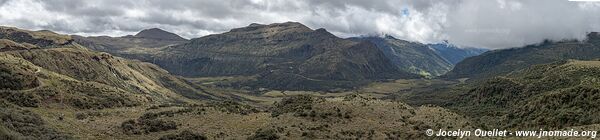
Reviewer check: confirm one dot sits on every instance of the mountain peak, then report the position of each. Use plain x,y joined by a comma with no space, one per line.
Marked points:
156,33
255,24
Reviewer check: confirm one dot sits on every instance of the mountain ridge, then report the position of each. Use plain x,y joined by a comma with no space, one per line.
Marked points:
498,62
410,56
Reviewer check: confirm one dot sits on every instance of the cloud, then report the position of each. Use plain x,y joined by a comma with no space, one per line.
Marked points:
490,24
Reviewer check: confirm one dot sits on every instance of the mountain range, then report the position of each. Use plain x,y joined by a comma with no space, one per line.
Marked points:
286,81
52,87
268,54
428,60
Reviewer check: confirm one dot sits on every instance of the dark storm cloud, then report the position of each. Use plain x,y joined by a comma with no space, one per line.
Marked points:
489,23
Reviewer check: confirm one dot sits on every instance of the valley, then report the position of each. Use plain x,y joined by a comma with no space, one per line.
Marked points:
285,81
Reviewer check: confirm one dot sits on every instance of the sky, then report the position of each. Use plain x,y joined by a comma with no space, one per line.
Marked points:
492,24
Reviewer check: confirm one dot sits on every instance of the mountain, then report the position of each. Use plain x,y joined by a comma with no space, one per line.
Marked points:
280,56
454,54
412,57
144,42
85,78
43,73
156,33
499,62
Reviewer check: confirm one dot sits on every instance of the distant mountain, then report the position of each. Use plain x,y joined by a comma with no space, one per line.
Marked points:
499,62
281,56
412,57
144,42
454,54
156,33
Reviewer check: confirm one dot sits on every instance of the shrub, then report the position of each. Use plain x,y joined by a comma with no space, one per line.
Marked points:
144,126
184,135
295,104
19,122
264,134
233,107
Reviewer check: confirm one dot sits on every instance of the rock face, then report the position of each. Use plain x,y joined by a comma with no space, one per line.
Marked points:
281,55
156,33
498,62
412,57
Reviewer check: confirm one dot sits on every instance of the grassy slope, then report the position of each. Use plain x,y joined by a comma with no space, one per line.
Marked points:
557,95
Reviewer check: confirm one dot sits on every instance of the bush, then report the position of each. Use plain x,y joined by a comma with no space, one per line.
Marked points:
144,126
295,104
19,122
184,135
21,99
233,107
264,134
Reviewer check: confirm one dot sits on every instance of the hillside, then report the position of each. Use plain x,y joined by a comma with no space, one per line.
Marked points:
499,62
280,56
70,77
557,95
72,63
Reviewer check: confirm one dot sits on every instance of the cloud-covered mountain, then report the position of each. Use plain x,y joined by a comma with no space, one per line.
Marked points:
453,53
499,62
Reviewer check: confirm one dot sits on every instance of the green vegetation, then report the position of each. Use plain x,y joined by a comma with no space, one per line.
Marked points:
552,96
15,75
